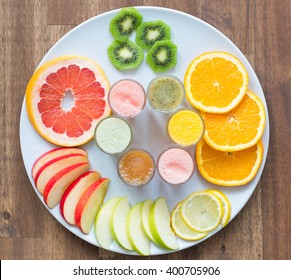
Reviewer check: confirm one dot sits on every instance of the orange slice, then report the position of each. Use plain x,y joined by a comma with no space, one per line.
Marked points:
51,84
228,168
238,129
215,82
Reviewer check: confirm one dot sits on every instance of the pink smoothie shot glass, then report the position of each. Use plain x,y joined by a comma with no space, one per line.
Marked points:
127,98
175,166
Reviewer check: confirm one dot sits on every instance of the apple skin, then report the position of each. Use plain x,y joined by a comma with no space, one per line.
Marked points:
102,227
44,166
165,220
55,167
144,219
80,185
52,154
119,234
135,232
89,204
57,185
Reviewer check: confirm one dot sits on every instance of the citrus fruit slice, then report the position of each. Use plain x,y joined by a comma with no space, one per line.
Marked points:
238,129
215,82
228,168
181,229
226,206
52,85
202,211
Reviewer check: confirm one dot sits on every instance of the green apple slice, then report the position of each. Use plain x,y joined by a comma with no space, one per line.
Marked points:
136,235
159,221
145,219
102,223
118,223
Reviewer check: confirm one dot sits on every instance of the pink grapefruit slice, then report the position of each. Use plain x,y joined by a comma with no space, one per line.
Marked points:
86,83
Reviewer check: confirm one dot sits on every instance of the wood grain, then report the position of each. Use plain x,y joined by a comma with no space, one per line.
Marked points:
261,29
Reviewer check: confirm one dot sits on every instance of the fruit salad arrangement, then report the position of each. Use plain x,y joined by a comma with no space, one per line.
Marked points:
226,123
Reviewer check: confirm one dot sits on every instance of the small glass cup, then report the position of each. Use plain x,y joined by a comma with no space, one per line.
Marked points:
175,166
113,135
136,167
180,127
166,93
127,98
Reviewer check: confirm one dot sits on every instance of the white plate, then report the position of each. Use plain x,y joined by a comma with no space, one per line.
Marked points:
193,37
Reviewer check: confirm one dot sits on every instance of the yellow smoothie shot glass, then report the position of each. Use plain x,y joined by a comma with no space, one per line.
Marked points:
186,127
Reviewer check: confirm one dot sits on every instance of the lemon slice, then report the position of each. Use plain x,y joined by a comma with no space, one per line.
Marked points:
181,229
226,206
202,211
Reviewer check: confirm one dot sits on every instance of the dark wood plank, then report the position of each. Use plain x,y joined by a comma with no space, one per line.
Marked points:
19,206
29,28
273,67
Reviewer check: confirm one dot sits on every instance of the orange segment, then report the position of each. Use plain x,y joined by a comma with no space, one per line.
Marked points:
228,168
215,82
238,129
79,77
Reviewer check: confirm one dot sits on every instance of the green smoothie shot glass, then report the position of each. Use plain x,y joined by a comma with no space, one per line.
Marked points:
113,135
166,93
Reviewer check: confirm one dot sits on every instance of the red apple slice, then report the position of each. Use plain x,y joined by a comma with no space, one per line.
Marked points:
73,194
56,165
57,185
53,154
89,204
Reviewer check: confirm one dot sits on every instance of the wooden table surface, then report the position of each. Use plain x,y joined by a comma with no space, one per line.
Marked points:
260,29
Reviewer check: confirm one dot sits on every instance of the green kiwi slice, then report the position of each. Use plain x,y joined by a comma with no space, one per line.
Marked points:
123,24
125,55
150,32
162,56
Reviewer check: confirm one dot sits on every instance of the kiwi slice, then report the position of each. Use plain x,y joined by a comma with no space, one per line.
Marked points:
125,55
150,32
162,56
123,24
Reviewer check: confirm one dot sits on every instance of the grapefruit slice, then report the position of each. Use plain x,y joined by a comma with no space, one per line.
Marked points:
75,77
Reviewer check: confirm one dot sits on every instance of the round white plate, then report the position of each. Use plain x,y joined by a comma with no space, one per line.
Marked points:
193,37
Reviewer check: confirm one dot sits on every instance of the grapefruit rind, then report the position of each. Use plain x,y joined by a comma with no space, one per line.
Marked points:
32,99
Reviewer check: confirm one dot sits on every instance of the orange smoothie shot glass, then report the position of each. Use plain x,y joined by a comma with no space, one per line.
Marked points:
175,166
186,127
166,93
113,135
136,167
127,98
